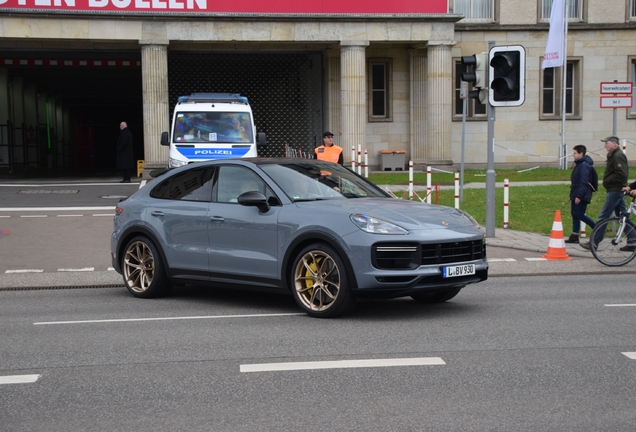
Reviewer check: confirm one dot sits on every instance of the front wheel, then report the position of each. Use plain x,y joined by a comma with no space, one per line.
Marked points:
320,283
143,271
612,247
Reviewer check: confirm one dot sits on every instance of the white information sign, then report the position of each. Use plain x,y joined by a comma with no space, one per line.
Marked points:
616,101
616,88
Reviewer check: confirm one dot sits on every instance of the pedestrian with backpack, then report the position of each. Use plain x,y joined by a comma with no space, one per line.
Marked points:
614,180
581,189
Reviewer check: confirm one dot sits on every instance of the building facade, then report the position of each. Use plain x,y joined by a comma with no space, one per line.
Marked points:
381,79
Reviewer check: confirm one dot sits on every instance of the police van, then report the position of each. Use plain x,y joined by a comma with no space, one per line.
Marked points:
209,126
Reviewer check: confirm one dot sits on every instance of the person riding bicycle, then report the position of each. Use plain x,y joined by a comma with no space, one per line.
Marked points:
614,180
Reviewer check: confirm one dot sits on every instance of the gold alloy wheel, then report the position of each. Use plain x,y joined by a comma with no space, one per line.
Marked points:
317,280
139,266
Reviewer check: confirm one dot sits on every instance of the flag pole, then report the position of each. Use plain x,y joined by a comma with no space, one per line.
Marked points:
563,163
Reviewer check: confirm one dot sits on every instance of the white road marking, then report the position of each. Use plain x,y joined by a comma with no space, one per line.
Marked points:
25,271
142,184
631,355
33,216
19,379
85,269
110,269
342,364
501,259
536,259
5,216
621,305
71,215
169,318
27,209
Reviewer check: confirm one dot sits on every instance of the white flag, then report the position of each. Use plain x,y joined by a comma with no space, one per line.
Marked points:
553,56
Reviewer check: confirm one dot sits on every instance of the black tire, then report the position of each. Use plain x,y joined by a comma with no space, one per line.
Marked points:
143,270
320,283
439,297
606,244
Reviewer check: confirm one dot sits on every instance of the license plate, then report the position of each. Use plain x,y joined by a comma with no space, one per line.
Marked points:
460,270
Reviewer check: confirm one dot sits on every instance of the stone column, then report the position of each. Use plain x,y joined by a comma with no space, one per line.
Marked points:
418,104
439,103
353,81
333,109
154,75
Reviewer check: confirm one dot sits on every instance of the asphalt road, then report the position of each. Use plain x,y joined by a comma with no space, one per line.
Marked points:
532,354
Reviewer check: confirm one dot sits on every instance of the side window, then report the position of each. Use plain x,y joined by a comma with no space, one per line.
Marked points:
235,180
191,185
575,10
475,110
475,10
552,91
631,112
379,91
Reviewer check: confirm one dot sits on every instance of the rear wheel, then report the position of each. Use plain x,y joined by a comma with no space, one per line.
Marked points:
320,283
143,270
611,249
439,297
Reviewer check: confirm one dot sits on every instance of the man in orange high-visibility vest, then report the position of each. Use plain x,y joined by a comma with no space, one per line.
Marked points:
328,151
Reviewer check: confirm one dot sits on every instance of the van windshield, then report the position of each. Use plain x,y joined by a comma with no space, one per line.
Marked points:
213,127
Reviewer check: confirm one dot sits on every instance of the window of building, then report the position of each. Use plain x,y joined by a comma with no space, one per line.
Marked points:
575,12
474,109
552,91
475,10
631,10
380,72
631,112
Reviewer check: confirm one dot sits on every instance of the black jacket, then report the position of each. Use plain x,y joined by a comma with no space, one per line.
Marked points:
125,156
580,187
616,171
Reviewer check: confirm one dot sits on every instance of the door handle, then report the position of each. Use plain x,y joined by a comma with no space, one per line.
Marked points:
217,219
157,213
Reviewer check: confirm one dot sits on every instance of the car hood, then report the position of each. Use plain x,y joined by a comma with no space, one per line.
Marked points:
407,214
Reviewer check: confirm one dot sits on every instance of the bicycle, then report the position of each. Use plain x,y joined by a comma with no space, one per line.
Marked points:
609,239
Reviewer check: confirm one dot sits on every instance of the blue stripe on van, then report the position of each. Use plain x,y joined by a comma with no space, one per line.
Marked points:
217,153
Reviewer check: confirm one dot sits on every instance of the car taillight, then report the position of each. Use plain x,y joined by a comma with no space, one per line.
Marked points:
118,210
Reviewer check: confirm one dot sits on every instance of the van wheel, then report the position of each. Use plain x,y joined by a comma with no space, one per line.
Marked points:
320,284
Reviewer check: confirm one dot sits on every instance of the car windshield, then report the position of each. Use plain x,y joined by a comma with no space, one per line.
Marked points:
213,127
316,181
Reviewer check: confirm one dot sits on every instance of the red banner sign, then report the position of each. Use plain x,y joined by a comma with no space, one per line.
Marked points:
242,7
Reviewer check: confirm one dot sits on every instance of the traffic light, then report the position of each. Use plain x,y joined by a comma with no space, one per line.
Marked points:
507,75
478,77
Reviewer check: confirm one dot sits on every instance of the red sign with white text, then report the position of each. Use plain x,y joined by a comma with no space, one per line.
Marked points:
241,7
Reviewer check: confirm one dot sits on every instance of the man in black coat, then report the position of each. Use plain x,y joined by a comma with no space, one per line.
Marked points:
125,156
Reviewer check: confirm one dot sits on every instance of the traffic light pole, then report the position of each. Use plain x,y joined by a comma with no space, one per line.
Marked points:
490,172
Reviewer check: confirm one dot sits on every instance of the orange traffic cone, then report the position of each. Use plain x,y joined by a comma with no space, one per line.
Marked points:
556,247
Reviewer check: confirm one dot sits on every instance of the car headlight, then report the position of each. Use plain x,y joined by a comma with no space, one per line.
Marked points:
174,163
376,226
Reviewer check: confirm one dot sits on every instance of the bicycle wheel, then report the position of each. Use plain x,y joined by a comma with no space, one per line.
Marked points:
612,249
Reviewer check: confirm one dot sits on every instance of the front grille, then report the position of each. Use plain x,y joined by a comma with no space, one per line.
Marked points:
446,253
396,256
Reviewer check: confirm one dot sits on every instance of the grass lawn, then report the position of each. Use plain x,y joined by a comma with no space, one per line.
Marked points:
470,176
531,208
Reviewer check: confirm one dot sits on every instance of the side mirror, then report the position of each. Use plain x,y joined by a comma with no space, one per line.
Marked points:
261,139
164,139
254,199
